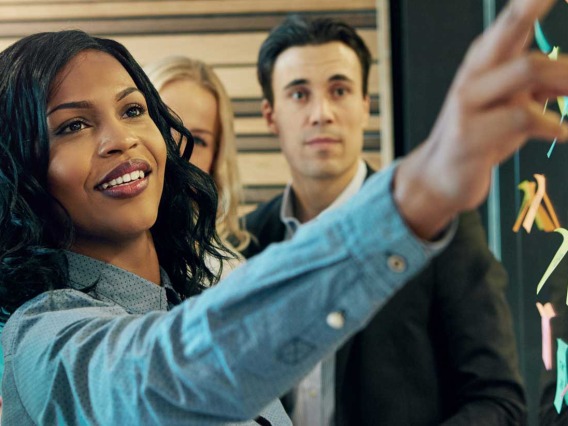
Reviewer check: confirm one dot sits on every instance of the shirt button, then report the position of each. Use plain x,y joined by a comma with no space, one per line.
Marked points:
336,320
396,263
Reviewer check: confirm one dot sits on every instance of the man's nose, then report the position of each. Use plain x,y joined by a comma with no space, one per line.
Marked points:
322,111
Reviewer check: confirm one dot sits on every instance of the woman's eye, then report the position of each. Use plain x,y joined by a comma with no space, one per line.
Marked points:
73,127
199,141
134,111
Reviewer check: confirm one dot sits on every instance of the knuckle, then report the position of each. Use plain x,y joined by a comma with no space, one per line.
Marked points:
521,119
462,92
531,66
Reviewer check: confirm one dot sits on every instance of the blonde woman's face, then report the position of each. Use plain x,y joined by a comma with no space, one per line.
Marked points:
199,112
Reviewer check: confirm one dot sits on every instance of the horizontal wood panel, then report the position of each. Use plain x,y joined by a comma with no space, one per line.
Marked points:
263,169
215,49
177,24
241,82
121,9
271,168
257,125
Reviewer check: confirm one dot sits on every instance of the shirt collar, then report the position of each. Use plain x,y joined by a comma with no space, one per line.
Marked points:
111,283
288,216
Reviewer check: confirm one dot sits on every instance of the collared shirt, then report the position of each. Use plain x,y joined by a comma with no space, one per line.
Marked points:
288,215
104,353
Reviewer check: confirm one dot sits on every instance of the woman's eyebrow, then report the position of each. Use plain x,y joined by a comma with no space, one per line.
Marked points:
124,93
86,104
71,105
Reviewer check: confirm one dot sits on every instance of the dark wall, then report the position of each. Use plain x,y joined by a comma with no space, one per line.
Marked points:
429,41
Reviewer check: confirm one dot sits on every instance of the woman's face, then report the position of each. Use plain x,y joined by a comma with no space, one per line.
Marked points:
107,157
198,110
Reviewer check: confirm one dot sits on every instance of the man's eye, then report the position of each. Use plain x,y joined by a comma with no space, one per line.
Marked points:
298,95
340,91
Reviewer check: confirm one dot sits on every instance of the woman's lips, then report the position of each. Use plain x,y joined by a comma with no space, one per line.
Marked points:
126,180
124,168
126,190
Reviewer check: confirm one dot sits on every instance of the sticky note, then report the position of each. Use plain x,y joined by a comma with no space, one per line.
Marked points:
560,253
541,41
546,313
536,207
561,378
537,199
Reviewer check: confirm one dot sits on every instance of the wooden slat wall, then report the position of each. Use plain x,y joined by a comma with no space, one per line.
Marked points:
224,33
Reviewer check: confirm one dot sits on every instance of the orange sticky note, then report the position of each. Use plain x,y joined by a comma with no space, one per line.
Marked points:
536,207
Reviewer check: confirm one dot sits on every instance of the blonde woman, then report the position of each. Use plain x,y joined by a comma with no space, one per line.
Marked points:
195,93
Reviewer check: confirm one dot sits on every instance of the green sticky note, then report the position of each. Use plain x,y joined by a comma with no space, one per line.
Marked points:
561,375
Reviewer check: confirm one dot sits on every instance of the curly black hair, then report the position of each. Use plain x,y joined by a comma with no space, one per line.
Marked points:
32,238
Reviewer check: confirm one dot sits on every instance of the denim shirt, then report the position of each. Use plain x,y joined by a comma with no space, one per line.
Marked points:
113,355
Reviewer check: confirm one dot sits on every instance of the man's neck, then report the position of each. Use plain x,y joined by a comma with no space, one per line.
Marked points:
313,196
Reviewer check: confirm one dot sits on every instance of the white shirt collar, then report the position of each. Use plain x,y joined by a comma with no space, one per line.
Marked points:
288,216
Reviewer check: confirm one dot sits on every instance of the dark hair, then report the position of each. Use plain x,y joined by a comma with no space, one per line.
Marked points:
301,31
32,238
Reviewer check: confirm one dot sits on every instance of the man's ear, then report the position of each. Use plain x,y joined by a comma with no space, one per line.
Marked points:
268,114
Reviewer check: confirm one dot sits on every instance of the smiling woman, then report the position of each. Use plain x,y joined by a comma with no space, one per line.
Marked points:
95,288
105,227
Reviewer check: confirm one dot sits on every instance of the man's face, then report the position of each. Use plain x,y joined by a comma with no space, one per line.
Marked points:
319,110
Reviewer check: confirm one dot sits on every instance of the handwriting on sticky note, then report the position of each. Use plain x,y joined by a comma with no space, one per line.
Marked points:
536,207
546,313
561,376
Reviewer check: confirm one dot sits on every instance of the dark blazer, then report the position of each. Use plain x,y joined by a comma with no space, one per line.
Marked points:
442,349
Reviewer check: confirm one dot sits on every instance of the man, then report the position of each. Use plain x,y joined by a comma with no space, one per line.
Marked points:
443,348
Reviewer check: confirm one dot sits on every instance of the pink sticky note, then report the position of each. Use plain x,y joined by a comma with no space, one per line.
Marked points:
531,214
546,313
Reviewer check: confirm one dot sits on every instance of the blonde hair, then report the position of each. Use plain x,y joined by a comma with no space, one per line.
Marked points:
224,170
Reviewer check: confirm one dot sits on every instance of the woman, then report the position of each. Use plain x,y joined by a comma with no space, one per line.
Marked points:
104,229
194,92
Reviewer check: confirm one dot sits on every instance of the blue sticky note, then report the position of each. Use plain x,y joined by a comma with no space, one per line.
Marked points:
541,41
561,375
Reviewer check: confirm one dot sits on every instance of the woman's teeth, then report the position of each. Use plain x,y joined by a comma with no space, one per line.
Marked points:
128,177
